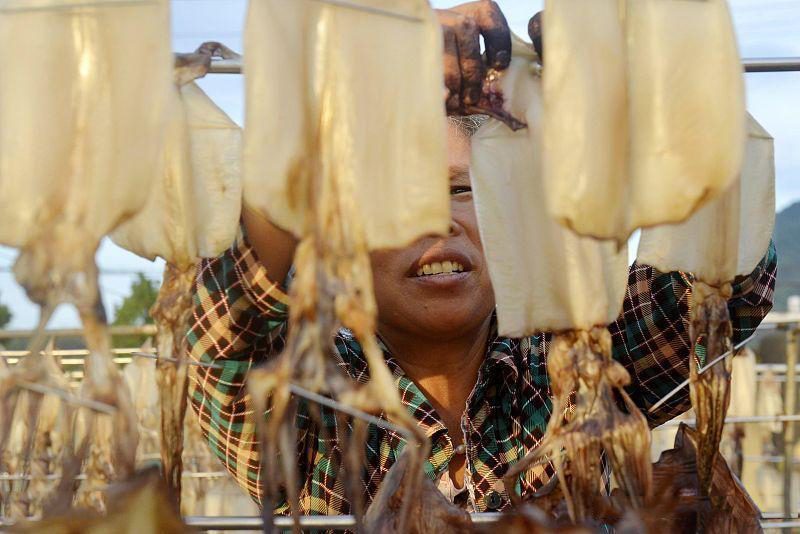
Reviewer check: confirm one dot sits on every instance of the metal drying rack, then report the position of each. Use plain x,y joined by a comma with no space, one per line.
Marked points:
751,65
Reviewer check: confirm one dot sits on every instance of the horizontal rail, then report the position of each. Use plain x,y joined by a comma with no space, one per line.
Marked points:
144,330
333,522
781,318
344,522
755,64
779,525
741,420
768,459
185,474
771,64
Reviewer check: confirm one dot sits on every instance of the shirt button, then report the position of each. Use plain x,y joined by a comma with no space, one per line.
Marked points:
493,500
461,449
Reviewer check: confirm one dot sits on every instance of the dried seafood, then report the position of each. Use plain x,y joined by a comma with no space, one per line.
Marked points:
547,278
332,290
341,66
430,512
138,506
76,163
644,106
680,505
140,376
40,433
192,212
112,439
724,239
676,504
530,520
342,189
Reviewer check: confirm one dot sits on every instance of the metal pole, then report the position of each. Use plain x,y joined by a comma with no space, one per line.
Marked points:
741,420
345,522
771,64
757,64
146,330
788,426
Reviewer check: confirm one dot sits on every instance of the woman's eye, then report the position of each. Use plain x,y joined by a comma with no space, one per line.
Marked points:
459,189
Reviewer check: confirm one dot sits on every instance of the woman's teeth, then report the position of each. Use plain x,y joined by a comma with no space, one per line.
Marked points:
446,267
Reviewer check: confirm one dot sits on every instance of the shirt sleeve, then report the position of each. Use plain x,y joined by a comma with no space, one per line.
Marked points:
239,320
651,336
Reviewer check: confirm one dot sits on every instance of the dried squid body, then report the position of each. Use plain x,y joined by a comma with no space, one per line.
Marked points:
340,68
193,208
39,431
192,212
76,162
580,363
357,161
547,278
110,440
724,239
643,109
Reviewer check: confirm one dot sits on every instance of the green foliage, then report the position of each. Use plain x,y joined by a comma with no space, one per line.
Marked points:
135,310
5,315
787,228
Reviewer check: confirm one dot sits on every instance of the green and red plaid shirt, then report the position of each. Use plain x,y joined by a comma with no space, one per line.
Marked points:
240,320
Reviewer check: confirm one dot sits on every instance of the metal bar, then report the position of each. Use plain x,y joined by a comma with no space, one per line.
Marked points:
768,459
322,522
781,318
62,352
371,9
339,407
753,65
185,474
75,5
771,64
780,525
226,66
685,383
741,420
66,396
788,426
175,360
146,330
344,522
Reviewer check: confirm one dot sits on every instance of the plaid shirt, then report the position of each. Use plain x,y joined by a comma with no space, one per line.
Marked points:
240,320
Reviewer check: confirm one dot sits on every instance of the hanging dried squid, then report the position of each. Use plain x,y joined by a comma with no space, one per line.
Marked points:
75,163
643,109
192,213
356,133
548,279
26,449
724,239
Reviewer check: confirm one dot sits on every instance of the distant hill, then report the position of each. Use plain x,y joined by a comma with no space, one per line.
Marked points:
787,242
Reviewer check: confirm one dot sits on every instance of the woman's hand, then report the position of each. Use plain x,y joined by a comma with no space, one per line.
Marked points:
464,67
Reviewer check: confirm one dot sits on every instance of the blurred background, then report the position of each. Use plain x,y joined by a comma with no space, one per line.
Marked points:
758,447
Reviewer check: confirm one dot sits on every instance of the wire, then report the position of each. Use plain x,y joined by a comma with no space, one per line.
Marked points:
105,272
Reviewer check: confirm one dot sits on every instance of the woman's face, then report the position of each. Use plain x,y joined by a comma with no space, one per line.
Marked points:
458,298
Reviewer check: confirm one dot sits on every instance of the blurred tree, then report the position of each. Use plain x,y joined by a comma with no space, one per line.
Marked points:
135,310
5,315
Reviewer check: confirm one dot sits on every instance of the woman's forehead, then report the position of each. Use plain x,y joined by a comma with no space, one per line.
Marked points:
458,148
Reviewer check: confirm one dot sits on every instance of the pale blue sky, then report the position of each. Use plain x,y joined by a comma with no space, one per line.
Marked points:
766,28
